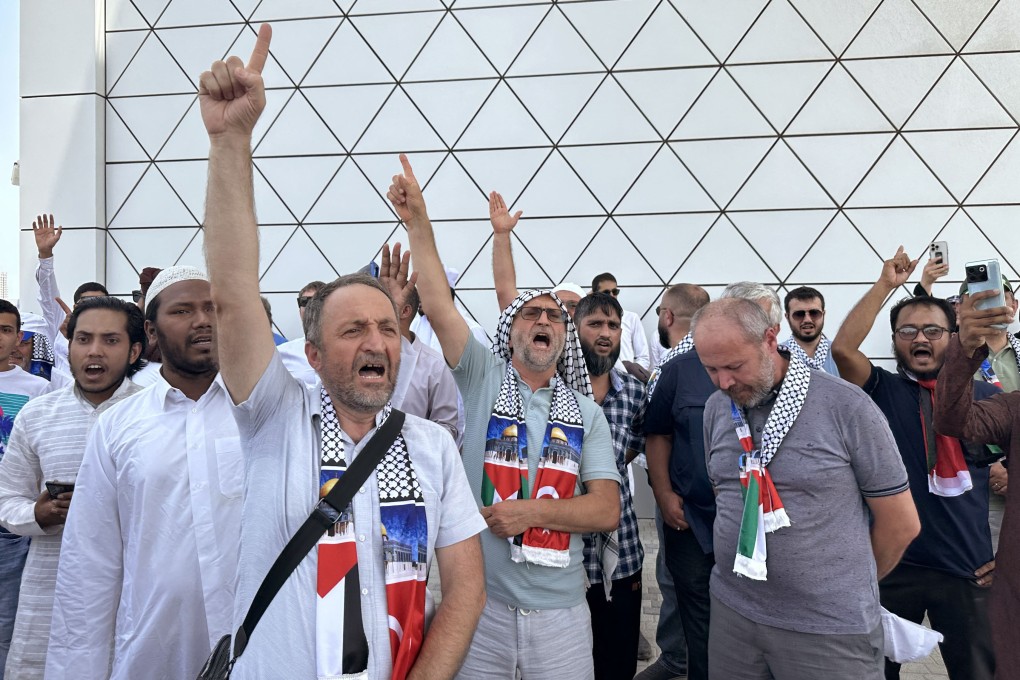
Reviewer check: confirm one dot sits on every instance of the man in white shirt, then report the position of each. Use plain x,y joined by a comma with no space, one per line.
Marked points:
149,556
47,445
634,344
415,505
16,389
293,351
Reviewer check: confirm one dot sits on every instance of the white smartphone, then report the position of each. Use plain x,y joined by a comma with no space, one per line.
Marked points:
939,251
985,275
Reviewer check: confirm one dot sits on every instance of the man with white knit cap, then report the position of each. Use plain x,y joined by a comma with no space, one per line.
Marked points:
145,586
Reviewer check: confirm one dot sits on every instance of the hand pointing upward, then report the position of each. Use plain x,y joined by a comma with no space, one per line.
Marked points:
233,95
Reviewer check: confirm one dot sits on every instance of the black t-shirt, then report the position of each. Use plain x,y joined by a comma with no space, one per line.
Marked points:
955,536
677,408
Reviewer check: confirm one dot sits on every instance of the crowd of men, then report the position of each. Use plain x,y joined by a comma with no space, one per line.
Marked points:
156,457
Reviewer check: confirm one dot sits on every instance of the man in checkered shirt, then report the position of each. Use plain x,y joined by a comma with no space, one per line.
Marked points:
615,622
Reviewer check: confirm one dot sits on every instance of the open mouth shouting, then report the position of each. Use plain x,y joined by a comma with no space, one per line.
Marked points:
542,340
372,371
202,341
922,353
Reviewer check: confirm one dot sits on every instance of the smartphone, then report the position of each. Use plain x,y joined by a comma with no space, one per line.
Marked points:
985,275
939,251
57,488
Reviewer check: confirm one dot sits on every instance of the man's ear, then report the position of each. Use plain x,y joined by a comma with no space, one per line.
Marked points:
136,351
406,312
150,332
313,355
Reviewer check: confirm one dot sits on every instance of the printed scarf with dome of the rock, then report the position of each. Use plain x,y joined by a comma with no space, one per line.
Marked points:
821,352
763,509
682,347
341,647
505,474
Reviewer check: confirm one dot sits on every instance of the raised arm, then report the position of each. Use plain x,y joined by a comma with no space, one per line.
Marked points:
232,97
853,365
503,271
433,288
988,421
932,272
46,238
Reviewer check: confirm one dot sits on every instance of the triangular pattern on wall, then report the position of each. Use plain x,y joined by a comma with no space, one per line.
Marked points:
790,141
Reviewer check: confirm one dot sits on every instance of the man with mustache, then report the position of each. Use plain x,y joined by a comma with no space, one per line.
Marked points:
947,571
805,312
356,606
794,588
613,560
145,583
47,444
539,458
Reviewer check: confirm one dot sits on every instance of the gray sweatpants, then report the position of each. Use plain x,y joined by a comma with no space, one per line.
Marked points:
540,644
740,649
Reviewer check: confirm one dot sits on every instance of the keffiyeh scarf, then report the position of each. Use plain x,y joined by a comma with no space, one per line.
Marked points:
763,509
505,473
41,363
682,347
341,647
816,362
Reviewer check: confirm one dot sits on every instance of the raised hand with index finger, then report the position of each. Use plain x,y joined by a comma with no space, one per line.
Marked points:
405,194
232,95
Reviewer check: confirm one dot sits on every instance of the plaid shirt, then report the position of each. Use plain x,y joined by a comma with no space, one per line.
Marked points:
624,407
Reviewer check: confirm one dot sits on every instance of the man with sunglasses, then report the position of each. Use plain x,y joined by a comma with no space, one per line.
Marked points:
805,312
293,351
539,458
634,344
946,572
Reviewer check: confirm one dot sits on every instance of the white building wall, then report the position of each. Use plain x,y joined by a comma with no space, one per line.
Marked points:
793,142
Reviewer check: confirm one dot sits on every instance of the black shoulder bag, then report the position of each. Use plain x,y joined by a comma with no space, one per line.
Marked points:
326,513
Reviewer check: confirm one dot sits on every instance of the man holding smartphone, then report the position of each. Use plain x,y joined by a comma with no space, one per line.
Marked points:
45,450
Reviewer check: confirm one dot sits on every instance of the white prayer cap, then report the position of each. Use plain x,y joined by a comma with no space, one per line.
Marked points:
568,287
32,323
451,276
170,276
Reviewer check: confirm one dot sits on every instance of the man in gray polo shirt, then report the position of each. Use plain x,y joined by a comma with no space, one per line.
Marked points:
539,458
808,606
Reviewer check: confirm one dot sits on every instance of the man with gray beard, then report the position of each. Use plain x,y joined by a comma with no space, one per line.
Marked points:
613,559
792,468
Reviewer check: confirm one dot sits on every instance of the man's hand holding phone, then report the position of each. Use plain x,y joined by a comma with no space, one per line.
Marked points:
52,505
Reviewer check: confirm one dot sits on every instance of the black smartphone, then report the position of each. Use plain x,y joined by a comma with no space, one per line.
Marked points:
57,488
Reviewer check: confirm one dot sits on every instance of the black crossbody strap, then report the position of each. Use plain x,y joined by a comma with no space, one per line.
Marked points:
326,513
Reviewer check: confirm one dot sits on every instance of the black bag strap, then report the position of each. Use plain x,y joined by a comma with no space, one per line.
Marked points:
326,513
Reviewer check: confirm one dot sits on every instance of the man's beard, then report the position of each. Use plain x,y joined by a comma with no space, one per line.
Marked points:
344,390
762,387
663,337
815,334
173,355
901,361
524,353
596,363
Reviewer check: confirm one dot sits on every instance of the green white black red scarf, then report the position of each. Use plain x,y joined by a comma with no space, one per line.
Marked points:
341,647
763,509
505,474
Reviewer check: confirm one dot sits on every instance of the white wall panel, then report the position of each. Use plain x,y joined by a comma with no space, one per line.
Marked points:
669,141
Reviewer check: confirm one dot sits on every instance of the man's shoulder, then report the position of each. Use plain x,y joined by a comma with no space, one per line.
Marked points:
428,442
18,381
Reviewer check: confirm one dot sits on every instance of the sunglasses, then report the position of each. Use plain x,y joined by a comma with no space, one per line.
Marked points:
554,314
136,295
930,332
813,313
615,292
303,300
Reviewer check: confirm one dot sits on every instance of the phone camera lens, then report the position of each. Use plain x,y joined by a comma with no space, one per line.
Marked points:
981,269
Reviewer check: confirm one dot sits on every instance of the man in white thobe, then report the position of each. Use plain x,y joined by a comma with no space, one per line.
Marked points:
145,585
47,445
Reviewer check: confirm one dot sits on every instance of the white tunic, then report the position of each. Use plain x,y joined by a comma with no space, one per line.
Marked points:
633,341
47,445
150,548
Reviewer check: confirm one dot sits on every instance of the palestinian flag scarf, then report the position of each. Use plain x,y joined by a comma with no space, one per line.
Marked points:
763,509
505,474
341,647
948,474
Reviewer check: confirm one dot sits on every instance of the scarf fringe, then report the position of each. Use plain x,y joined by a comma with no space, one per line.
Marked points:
751,567
775,520
949,487
545,557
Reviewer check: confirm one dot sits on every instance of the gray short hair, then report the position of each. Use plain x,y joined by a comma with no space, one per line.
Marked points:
749,290
744,313
313,312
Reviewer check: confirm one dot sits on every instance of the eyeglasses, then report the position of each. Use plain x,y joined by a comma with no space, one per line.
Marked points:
813,313
659,310
615,292
303,300
930,332
554,314
136,295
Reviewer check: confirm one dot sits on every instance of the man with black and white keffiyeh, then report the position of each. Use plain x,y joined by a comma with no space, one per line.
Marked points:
529,419
805,312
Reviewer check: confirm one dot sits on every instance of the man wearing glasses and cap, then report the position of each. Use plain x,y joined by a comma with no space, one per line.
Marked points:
946,572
